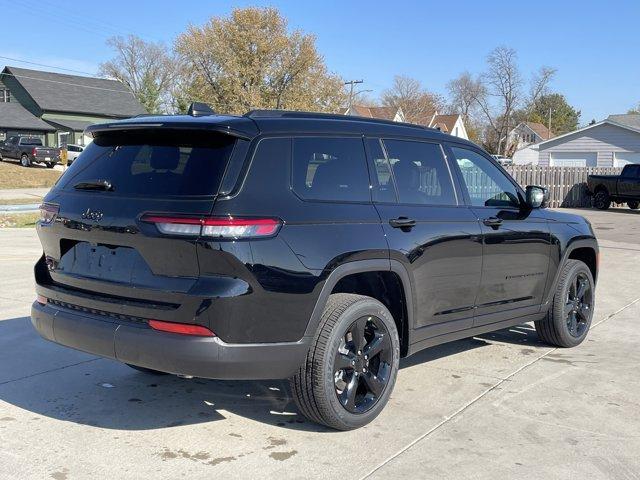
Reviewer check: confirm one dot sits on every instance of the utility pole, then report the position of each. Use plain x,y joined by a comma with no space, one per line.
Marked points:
352,83
549,125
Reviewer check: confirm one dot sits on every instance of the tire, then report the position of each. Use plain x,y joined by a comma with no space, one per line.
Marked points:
633,205
51,165
148,371
602,200
569,318
25,161
321,389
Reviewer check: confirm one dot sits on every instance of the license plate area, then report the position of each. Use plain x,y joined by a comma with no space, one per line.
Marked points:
101,262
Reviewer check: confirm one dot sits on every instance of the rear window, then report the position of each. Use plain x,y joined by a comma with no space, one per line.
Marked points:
159,162
35,142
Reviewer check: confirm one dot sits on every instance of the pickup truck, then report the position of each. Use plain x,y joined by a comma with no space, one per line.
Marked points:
29,150
616,188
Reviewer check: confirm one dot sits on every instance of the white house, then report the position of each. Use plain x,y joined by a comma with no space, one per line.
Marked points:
383,113
451,124
613,142
528,133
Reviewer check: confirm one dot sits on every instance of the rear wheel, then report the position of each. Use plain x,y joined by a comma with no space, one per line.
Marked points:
51,165
25,161
633,205
146,370
602,200
568,320
352,363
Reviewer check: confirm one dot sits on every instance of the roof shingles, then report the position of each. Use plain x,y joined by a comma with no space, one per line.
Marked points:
59,92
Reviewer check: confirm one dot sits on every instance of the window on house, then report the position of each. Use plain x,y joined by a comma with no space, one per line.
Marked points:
5,95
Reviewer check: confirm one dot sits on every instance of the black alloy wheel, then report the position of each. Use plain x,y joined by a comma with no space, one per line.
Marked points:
362,364
578,307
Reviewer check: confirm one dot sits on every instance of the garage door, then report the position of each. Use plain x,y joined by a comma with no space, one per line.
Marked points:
620,159
574,159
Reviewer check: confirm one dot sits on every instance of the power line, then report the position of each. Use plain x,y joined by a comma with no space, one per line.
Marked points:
48,66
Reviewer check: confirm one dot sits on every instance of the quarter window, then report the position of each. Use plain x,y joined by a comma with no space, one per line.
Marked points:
486,184
420,172
327,168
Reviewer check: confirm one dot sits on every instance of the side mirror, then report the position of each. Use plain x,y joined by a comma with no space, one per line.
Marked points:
536,197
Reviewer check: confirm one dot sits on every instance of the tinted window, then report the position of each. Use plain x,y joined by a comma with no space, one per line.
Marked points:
631,171
36,142
420,172
383,187
154,162
486,184
330,169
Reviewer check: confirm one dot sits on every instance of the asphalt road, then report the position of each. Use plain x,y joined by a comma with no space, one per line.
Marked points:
498,406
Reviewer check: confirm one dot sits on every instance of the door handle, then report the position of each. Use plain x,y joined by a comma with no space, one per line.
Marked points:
402,222
493,222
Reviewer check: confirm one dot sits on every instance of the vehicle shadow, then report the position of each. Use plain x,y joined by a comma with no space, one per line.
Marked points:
53,381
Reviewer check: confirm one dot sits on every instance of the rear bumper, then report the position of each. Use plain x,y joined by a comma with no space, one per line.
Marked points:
206,357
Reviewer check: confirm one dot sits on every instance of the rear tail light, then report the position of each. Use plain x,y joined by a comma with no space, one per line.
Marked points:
41,299
181,328
48,213
34,152
217,227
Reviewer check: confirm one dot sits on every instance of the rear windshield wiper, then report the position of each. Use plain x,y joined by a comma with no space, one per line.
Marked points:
104,185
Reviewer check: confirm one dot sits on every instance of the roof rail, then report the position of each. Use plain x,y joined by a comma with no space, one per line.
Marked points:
327,116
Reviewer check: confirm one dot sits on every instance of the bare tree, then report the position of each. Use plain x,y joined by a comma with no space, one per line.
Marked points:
417,103
147,68
539,85
503,83
465,93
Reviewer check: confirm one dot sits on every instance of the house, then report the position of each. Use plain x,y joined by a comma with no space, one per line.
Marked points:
612,142
451,124
58,107
383,113
528,133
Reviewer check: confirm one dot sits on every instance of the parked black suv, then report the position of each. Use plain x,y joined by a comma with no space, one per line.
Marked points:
319,248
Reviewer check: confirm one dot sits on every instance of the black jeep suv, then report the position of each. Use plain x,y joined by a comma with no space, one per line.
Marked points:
319,248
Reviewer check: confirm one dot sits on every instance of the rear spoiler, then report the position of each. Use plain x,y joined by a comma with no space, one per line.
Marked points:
227,129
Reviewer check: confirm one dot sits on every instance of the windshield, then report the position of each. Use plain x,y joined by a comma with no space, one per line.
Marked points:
154,162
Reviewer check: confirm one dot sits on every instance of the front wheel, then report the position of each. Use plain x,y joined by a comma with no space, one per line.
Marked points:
352,364
568,320
25,161
633,205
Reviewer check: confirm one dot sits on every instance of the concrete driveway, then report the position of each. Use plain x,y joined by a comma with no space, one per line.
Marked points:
501,405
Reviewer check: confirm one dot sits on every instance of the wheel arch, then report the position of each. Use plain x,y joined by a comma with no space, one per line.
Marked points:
583,249
357,277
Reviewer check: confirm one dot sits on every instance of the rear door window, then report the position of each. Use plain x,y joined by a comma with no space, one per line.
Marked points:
329,168
154,163
420,172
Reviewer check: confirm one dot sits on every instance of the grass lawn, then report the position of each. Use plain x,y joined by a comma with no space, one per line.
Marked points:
13,175
19,220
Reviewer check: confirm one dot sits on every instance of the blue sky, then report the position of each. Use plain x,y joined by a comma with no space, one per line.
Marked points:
594,45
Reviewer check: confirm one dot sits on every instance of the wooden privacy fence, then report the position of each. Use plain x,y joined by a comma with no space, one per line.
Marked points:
567,185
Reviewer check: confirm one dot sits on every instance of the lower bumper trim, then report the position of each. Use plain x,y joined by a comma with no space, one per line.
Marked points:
205,357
